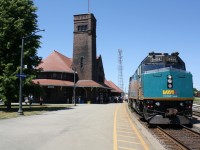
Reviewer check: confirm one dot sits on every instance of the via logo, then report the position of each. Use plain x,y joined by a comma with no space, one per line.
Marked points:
169,92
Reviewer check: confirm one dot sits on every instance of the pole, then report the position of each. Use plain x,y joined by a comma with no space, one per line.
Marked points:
20,111
74,90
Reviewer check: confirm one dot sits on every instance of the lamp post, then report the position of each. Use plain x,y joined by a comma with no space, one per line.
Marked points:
21,76
74,89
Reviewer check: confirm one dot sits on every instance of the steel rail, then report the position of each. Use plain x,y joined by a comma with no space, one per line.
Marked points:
177,142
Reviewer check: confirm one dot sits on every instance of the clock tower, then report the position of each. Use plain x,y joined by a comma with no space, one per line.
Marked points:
84,46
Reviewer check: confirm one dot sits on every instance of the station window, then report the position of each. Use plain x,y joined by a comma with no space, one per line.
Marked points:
81,62
82,28
64,76
79,28
54,75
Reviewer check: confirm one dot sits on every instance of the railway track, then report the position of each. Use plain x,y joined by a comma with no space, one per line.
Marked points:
196,113
177,138
174,137
196,110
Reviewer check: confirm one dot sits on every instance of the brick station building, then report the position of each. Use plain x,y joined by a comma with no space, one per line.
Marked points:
59,72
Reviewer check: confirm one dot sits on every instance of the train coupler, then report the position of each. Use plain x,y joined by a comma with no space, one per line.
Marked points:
171,112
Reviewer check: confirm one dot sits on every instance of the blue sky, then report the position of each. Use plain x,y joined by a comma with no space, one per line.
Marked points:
135,26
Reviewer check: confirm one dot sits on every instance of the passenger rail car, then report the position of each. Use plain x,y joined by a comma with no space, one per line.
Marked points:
161,89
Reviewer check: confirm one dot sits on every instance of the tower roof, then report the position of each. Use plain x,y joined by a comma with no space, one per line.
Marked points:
56,62
84,16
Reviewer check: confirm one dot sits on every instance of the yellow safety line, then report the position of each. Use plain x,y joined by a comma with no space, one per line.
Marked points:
115,130
127,126
136,131
124,120
120,135
129,142
126,148
125,132
122,128
122,123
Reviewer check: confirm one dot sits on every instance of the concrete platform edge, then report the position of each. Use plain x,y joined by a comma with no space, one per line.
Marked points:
153,143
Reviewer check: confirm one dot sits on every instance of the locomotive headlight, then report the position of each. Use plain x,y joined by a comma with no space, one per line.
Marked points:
157,103
169,81
181,103
169,76
169,86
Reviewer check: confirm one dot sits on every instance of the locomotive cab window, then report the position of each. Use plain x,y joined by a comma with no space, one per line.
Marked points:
175,65
152,66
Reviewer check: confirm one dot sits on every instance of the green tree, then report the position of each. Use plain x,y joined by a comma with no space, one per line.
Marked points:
195,91
17,19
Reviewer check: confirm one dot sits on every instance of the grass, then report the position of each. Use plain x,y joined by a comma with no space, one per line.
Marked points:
33,110
197,100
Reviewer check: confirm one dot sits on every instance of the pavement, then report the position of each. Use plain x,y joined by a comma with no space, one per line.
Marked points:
84,127
148,137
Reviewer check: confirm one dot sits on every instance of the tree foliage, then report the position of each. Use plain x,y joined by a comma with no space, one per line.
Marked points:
17,19
195,91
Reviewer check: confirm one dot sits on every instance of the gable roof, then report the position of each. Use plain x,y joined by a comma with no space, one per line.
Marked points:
56,62
113,86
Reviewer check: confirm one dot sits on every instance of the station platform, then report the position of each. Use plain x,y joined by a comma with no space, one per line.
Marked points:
130,134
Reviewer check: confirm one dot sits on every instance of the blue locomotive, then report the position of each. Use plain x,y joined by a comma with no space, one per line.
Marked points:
161,89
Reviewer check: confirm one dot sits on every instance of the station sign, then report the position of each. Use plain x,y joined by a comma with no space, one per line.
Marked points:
21,75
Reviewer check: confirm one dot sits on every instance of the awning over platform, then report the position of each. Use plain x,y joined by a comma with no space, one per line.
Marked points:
81,83
115,89
90,83
49,82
